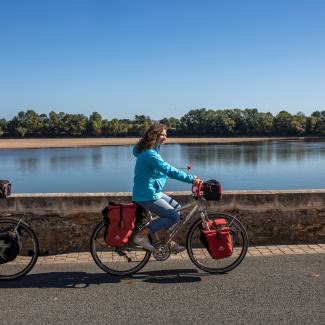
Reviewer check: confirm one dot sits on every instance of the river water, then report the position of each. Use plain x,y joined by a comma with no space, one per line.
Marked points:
244,166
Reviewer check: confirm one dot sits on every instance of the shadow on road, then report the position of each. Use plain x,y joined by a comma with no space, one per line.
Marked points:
80,280
170,276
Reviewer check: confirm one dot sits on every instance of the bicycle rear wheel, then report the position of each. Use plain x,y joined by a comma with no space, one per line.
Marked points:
29,249
200,255
117,261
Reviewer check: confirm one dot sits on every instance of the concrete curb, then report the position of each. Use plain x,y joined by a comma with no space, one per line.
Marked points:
85,257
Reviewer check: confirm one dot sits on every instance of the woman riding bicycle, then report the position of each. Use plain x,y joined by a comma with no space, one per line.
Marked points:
150,175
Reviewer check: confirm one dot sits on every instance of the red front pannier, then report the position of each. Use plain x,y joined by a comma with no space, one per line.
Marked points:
120,220
218,239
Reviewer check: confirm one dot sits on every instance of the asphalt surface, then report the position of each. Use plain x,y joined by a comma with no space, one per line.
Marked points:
262,290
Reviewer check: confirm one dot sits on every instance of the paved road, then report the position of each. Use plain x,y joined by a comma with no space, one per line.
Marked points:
263,290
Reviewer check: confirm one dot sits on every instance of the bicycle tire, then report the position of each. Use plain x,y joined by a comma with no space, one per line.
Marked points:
199,254
28,240
110,262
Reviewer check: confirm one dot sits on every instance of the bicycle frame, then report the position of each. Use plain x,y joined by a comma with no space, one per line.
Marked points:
162,249
194,206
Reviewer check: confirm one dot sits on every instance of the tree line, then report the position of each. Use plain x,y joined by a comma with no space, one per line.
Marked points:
197,122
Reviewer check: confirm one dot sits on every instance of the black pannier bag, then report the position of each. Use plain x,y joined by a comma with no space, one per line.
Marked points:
212,190
9,246
5,189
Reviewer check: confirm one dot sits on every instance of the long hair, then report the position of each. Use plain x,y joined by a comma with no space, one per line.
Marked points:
150,137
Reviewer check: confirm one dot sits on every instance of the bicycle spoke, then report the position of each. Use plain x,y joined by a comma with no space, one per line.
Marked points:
199,253
28,252
118,261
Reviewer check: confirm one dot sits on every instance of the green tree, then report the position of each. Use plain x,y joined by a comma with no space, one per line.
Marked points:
3,126
170,122
239,118
197,122
317,114
56,123
105,127
19,125
125,125
298,124
34,123
208,121
282,123
264,124
27,123
311,124
75,124
53,127
251,116
140,124
223,124
95,124
320,124
44,125
116,127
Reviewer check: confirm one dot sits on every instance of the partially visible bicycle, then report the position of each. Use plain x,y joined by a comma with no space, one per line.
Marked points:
19,248
131,258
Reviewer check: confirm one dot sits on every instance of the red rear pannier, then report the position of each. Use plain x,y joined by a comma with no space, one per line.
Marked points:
218,238
121,222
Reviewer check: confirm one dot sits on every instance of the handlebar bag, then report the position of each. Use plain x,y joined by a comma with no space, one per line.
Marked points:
9,246
5,188
212,190
218,239
120,222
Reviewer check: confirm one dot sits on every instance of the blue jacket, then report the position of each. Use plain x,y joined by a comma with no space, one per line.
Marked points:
150,175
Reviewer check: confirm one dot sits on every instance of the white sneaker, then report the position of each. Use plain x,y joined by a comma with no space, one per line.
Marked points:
176,248
143,242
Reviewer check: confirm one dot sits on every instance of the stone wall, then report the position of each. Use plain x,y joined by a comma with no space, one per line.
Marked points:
64,221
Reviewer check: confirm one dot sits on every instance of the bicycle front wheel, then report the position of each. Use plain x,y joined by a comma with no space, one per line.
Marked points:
117,261
198,251
28,253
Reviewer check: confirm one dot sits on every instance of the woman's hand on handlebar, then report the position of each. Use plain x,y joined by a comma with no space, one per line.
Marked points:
197,181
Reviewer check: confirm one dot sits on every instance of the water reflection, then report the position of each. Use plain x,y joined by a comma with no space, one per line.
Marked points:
76,158
97,158
250,154
277,164
67,161
30,164
298,151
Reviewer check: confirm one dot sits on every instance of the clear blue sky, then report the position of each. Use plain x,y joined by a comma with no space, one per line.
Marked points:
161,57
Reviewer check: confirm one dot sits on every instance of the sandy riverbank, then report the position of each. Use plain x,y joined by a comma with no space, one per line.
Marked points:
91,142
